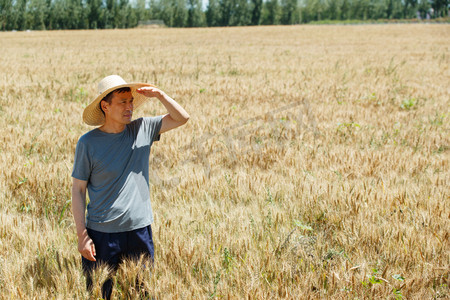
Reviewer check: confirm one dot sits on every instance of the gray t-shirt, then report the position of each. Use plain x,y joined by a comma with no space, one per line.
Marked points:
116,168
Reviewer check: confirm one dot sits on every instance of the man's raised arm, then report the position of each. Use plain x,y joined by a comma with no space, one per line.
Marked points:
176,117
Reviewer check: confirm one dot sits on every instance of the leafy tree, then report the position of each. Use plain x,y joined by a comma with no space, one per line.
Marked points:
256,8
212,13
121,14
345,10
423,7
398,9
225,8
289,12
409,8
109,13
6,15
154,10
393,9
240,13
332,11
440,8
164,10
76,15
271,13
20,14
195,17
356,9
378,9
95,12
180,13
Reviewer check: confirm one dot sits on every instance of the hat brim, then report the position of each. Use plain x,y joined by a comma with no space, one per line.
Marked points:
93,115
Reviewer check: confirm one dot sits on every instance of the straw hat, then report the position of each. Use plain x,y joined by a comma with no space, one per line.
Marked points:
92,114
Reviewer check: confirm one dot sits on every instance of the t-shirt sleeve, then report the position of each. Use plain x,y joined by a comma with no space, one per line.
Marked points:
154,126
81,164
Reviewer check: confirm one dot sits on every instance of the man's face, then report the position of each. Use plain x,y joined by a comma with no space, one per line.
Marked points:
121,108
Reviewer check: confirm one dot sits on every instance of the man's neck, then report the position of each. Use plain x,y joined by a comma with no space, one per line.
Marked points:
110,127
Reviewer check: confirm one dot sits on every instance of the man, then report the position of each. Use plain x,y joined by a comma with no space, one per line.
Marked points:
112,163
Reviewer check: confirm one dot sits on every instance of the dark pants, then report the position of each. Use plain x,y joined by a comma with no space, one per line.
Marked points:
112,248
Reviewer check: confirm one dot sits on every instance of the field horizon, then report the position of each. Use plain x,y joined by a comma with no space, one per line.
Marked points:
315,163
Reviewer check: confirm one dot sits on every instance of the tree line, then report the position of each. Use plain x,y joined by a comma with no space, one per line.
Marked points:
101,14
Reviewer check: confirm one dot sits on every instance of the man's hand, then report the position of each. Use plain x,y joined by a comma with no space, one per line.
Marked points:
86,247
150,91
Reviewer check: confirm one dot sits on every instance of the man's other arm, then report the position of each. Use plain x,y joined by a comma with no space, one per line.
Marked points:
85,244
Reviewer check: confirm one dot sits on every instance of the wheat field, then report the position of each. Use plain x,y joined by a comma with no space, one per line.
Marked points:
315,163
